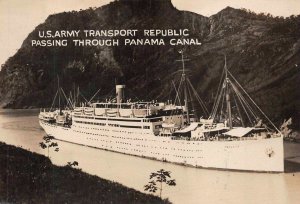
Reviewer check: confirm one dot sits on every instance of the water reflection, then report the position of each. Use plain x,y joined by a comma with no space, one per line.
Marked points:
21,128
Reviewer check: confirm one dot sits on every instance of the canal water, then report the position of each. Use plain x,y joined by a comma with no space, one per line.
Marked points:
21,128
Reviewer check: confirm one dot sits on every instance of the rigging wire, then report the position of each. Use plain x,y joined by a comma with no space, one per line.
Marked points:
245,102
83,97
53,101
178,99
254,102
220,95
238,108
245,110
219,89
94,95
202,104
190,95
222,103
68,101
177,95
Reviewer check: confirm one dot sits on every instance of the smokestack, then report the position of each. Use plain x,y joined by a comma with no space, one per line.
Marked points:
120,93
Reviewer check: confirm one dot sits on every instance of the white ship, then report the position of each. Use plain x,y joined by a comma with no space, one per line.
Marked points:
168,132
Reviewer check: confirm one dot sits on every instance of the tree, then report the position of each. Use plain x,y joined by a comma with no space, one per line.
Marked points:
159,177
48,144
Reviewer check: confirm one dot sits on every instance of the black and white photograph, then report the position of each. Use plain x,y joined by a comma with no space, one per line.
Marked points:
150,101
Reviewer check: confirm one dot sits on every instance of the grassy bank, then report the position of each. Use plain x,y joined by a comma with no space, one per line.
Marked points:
27,177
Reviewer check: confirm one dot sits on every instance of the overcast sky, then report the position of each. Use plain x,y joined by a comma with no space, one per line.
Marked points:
19,17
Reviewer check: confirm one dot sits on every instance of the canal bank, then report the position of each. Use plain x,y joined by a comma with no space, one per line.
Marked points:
27,177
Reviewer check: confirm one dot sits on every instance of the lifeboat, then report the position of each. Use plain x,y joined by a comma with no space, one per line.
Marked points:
88,111
111,112
78,110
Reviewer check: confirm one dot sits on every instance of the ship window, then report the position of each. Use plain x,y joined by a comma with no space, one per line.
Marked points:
128,126
126,120
155,119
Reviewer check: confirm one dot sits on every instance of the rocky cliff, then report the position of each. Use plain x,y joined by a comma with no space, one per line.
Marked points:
263,52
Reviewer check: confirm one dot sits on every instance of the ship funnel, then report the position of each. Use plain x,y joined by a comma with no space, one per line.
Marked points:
120,93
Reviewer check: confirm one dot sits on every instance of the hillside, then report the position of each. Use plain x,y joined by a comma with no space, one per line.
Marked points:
263,53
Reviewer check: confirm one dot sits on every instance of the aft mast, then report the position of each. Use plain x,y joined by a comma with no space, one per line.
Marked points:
229,116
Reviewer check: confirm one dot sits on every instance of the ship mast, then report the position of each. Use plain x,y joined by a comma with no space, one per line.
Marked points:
229,116
183,76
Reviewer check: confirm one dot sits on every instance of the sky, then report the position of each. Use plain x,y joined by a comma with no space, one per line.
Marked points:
19,17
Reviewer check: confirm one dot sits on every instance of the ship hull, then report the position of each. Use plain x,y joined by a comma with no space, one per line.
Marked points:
261,155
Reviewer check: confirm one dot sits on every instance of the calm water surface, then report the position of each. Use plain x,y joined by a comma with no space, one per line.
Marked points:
21,128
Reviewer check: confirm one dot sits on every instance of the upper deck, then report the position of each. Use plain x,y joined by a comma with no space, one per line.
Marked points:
130,110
